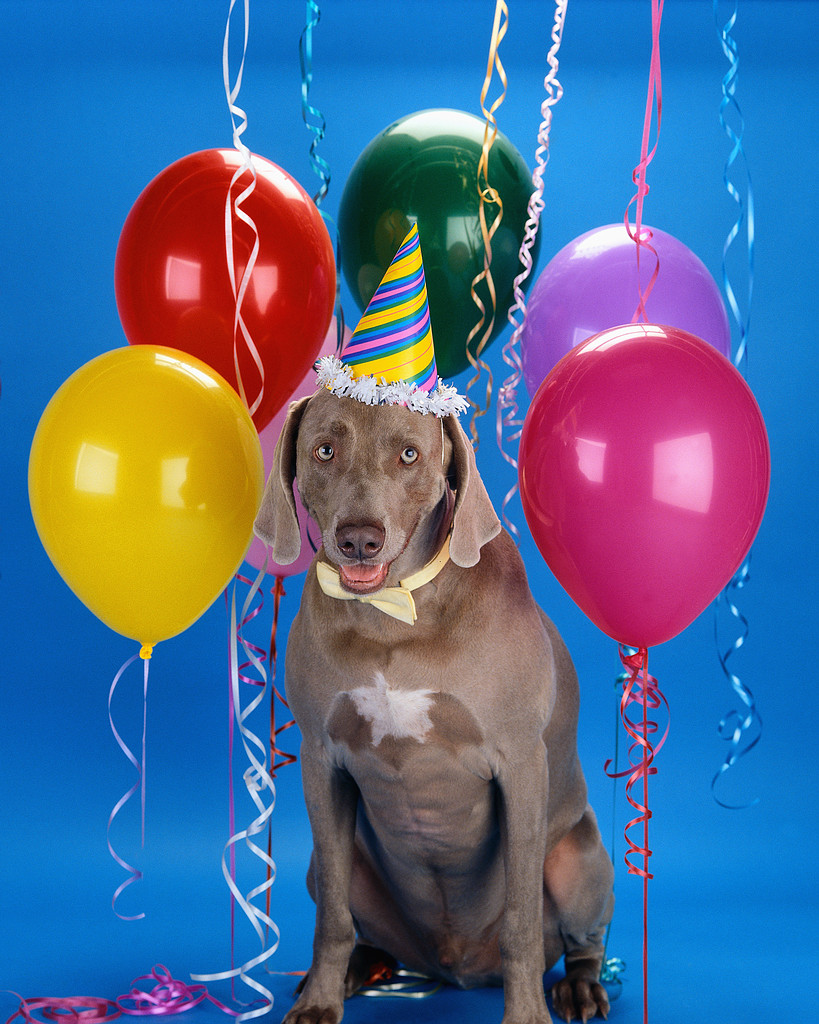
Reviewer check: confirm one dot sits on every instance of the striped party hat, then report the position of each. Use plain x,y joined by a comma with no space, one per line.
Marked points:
390,358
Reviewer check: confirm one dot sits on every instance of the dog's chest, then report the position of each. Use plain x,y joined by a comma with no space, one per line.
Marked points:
417,757
392,722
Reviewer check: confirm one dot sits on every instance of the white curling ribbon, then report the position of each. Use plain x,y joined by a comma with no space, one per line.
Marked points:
233,209
507,412
257,779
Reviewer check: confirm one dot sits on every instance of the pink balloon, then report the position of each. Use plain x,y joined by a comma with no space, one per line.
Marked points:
268,437
644,471
591,285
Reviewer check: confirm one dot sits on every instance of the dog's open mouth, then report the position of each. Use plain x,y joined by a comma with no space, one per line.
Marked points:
363,579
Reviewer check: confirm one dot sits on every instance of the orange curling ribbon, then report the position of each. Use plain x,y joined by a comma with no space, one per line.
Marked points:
641,237
641,689
488,195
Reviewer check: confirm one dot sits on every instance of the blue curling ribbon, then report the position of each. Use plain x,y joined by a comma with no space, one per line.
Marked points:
736,160
316,124
313,118
742,730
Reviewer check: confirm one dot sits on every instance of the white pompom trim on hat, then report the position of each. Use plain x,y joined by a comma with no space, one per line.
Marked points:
443,400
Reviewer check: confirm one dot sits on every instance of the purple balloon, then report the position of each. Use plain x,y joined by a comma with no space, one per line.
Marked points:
591,285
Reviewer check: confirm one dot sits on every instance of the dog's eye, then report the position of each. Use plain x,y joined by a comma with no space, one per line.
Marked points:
324,452
409,455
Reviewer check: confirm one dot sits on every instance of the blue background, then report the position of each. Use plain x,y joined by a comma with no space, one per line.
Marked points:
97,99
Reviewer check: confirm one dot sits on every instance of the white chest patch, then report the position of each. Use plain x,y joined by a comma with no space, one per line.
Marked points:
402,714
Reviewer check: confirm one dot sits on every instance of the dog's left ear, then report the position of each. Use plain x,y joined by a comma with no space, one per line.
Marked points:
475,522
277,522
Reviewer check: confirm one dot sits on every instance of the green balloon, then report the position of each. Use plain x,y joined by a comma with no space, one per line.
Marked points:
424,169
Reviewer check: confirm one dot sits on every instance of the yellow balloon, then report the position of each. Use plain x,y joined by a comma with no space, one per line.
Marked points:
144,479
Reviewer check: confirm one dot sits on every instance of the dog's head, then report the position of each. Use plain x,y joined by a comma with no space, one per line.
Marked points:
377,480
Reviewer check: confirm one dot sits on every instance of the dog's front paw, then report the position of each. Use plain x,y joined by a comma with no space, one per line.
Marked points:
576,998
307,1014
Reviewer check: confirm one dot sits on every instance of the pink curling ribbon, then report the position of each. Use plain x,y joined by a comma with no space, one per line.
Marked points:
487,195
641,689
262,791
167,997
66,1009
233,210
507,410
134,874
641,237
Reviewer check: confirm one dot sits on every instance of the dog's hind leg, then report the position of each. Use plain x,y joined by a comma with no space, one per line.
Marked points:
578,879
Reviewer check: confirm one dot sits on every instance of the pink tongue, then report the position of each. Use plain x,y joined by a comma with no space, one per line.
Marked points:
361,573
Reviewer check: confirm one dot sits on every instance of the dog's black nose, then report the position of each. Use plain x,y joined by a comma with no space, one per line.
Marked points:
360,540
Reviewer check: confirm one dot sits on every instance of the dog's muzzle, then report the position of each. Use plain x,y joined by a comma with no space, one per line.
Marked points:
396,602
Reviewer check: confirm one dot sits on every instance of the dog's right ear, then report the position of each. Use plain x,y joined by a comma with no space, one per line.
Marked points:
277,522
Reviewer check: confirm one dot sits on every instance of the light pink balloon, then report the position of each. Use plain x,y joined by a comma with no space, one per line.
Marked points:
644,471
269,436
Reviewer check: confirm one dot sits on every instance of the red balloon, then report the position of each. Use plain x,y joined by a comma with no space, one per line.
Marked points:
644,471
173,285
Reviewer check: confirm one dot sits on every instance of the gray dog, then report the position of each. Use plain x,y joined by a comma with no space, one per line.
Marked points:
438,710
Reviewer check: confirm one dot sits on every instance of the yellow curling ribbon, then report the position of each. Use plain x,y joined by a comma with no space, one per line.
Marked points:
488,195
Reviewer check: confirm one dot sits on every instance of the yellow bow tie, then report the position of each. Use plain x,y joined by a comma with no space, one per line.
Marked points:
395,601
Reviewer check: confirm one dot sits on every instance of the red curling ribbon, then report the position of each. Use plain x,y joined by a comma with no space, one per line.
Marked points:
134,874
284,759
278,593
641,237
642,689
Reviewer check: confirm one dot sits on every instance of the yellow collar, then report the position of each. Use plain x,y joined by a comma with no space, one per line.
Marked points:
395,601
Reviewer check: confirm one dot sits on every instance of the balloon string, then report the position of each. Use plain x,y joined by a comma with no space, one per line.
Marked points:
507,409
316,124
258,782
641,237
488,196
234,212
741,729
642,689
139,785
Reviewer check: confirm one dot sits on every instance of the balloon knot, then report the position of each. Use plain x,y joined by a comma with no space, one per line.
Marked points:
146,651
